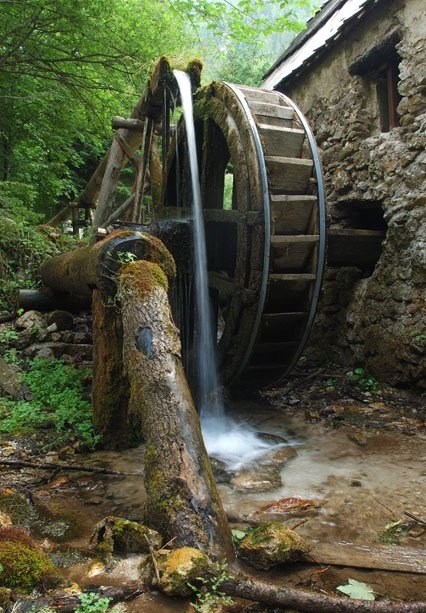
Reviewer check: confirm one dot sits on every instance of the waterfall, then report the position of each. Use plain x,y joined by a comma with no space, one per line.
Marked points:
210,399
234,443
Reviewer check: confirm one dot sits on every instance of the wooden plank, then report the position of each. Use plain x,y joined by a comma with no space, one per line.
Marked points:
288,175
288,292
222,283
291,214
286,239
286,278
292,253
379,557
281,141
259,95
273,114
232,216
354,247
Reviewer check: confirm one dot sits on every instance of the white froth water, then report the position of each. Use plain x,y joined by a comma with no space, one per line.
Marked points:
233,443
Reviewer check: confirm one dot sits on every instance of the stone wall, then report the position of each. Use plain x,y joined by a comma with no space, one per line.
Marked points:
375,318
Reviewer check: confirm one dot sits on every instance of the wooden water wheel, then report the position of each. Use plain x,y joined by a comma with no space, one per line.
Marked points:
264,214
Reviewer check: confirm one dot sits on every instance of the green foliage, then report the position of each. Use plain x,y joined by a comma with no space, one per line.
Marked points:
420,337
57,392
126,257
243,20
58,89
238,535
392,532
209,597
365,381
22,246
92,603
8,336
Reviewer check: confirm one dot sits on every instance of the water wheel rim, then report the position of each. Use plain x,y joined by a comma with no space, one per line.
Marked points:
267,228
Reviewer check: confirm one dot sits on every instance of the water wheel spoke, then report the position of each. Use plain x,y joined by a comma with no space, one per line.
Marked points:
222,283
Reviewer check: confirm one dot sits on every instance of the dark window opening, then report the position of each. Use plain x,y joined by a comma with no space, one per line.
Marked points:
381,65
361,215
388,96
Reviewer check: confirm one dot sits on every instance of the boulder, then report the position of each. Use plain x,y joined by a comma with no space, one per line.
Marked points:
272,544
180,567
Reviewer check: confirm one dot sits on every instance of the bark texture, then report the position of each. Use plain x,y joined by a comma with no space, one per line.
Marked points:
110,395
74,275
310,602
182,500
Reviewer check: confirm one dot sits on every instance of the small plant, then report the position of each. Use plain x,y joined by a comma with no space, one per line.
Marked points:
392,532
57,397
365,381
9,336
126,257
328,383
208,593
92,603
420,337
238,535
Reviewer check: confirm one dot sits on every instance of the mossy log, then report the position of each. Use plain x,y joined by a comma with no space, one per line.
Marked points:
140,391
311,602
73,276
182,500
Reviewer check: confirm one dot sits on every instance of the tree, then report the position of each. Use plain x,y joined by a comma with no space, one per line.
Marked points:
65,69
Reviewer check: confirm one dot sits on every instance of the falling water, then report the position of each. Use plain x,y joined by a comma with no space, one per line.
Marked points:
234,443
211,403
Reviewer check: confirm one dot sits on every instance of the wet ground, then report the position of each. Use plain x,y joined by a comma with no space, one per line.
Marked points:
354,471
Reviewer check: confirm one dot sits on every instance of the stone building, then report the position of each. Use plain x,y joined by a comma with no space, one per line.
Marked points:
358,72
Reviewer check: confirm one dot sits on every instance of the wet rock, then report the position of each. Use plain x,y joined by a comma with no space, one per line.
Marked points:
288,507
279,455
62,319
272,544
10,381
257,479
30,320
57,350
180,567
119,535
220,471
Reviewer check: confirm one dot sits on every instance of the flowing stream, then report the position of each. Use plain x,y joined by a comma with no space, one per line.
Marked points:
234,443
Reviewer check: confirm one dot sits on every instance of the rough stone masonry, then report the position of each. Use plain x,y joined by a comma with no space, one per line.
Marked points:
374,317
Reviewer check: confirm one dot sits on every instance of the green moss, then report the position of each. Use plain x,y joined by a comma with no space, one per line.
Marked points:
271,544
120,535
24,567
141,278
5,593
180,568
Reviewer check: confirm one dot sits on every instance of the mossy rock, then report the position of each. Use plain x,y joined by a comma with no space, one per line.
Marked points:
272,544
179,568
25,568
123,536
